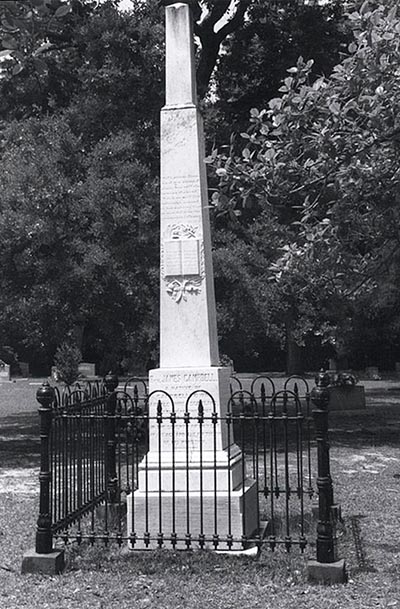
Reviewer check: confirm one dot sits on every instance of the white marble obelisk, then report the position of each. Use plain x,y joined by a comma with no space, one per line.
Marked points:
183,461
188,332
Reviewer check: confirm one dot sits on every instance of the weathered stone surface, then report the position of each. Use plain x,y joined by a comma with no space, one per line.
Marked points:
188,319
180,87
188,327
180,390
207,513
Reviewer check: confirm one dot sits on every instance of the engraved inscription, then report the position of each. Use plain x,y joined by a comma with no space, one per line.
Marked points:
181,197
190,257
181,257
173,257
187,431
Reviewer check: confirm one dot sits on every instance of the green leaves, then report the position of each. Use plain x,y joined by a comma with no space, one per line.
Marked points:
8,42
63,10
26,27
322,162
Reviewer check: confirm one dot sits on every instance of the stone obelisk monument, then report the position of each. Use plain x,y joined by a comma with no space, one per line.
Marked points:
192,480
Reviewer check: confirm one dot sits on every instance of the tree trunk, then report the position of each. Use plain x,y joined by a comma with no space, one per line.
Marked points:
294,353
77,334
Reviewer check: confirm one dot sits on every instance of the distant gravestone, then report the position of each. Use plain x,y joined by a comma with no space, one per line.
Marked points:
5,374
87,369
372,372
55,374
351,397
24,369
332,364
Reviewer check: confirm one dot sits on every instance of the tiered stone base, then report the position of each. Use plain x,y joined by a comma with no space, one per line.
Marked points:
193,481
208,513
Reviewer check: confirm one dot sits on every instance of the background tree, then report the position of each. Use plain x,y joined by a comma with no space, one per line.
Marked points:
78,242
26,29
78,209
255,57
322,160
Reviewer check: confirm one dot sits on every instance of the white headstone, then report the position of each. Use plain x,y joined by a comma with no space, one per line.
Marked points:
5,374
185,464
87,369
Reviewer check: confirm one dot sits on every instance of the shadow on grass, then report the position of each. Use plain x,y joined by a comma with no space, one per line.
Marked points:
20,440
374,426
181,565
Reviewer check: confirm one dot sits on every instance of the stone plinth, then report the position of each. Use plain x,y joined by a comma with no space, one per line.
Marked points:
224,469
180,390
209,512
192,461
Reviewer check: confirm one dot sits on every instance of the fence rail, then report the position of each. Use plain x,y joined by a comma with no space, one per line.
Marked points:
121,465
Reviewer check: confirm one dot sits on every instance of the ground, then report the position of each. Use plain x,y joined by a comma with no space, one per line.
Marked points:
365,461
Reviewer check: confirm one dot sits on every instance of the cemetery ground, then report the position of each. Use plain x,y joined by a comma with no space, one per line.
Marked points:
365,462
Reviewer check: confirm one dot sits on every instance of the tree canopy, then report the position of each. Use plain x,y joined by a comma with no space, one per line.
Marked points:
304,202
78,210
322,160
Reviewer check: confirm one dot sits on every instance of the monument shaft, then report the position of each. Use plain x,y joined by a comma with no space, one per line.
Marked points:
188,328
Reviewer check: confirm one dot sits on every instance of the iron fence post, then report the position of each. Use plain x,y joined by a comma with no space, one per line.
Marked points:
111,383
45,395
325,528
326,569
44,558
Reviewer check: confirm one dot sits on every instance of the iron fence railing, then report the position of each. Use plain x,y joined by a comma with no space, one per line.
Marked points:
121,465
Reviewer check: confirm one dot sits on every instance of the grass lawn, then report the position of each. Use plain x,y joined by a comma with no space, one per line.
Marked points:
366,471
19,397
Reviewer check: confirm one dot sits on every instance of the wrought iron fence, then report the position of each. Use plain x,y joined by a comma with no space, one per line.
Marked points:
121,465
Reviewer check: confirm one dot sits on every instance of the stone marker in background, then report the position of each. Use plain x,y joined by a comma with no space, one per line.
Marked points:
372,373
87,369
24,369
5,374
193,478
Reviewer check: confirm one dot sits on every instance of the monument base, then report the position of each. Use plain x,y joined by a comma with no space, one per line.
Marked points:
193,490
214,517
221,470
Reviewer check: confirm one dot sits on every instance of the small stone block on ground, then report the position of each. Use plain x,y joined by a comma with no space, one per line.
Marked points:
47,564
327,573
